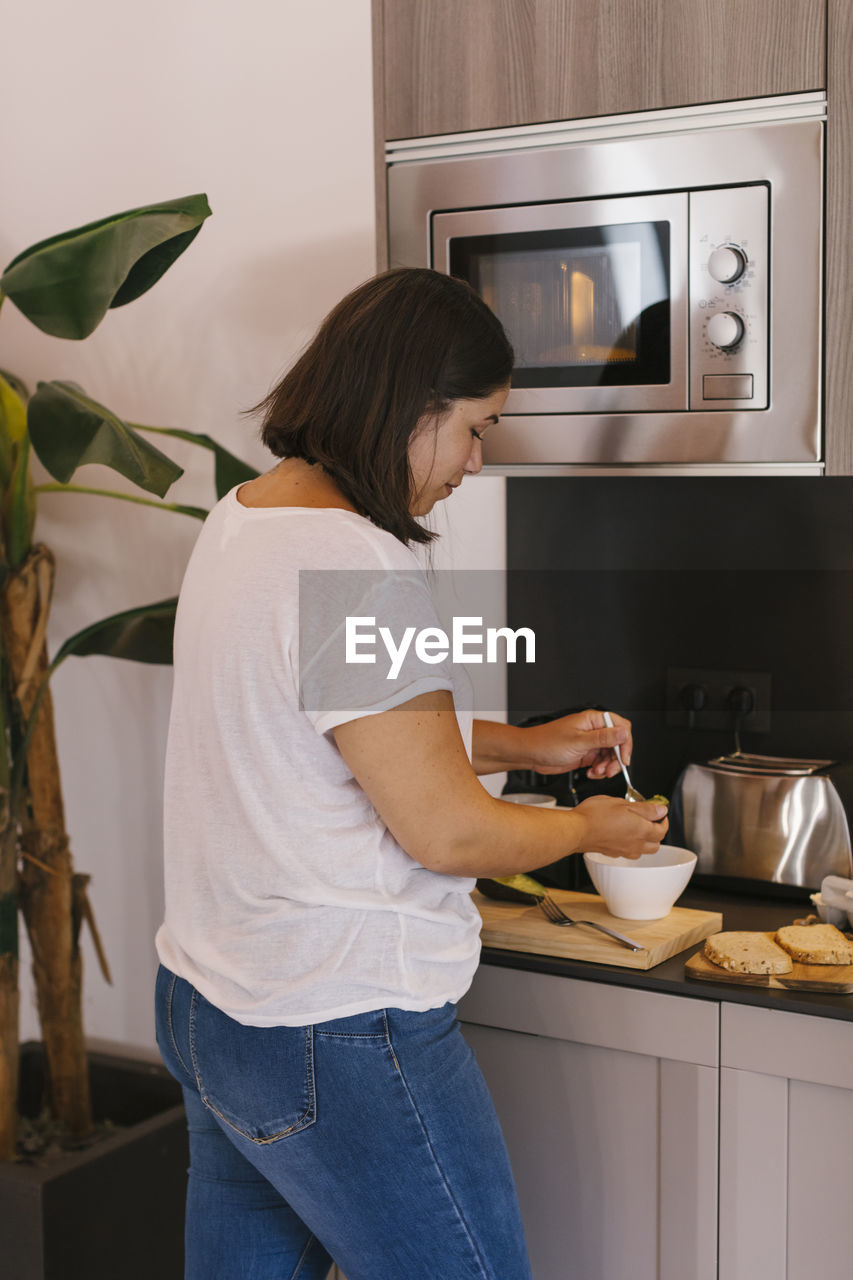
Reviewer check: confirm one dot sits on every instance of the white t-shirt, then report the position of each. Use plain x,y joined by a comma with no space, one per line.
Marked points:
288,901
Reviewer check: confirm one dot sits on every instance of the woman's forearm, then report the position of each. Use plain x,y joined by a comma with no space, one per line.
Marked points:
497,747
411,763
580,740
492,838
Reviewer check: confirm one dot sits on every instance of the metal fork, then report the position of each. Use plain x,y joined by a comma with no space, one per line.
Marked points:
556,915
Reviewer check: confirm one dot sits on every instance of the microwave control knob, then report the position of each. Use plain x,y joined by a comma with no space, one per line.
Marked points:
727,264
725,329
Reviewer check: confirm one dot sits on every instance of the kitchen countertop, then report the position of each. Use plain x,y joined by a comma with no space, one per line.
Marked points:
740,911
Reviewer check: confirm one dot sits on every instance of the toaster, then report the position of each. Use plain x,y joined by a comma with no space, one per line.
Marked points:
765,819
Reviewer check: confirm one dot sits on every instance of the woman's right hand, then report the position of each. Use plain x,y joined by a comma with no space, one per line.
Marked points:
622,828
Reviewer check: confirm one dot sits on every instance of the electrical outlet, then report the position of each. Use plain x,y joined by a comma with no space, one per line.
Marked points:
717,698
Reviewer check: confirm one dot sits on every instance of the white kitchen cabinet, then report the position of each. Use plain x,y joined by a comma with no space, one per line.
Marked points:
608,1097
786,1141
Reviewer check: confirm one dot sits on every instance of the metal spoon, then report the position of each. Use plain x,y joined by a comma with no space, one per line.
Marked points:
631,792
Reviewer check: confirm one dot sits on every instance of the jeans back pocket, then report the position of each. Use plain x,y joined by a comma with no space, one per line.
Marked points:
259,1080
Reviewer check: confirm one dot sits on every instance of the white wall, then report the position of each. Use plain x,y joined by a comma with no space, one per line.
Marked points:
267,107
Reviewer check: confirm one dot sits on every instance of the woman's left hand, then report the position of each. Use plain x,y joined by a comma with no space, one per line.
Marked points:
579,741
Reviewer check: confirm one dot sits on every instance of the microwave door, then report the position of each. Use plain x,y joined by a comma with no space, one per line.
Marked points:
593,295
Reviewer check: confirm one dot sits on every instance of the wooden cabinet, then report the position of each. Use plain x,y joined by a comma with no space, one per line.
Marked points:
839,242
448,66
608,1101
786,1134
624,1110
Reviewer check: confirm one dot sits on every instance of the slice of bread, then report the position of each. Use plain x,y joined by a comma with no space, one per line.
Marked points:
743,952
815,944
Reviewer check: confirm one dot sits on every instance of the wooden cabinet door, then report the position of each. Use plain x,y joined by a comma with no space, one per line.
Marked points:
786,1131
451,65
614,1155
607,1097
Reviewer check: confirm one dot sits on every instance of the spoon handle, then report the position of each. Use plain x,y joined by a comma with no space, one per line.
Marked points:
608,720
634,794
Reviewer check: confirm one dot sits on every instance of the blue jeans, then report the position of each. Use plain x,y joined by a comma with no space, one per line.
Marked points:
370,1140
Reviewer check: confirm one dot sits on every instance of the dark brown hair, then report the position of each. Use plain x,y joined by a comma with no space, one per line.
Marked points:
406,343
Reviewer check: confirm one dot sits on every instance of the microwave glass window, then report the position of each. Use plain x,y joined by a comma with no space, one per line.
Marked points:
583,306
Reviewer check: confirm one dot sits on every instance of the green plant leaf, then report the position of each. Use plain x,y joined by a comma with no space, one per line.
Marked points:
13,426
143,634
69,429
229,470
17,384
19,506
65,285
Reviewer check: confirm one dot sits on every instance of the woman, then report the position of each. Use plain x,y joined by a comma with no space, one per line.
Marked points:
322,835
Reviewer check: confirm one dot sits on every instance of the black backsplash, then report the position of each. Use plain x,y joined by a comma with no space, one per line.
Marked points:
624,577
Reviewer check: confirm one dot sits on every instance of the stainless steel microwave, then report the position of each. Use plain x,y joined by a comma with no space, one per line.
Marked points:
659,276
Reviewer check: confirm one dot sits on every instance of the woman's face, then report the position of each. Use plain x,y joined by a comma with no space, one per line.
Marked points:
445,449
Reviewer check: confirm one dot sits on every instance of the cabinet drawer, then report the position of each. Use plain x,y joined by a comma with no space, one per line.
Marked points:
792,1045
595,1013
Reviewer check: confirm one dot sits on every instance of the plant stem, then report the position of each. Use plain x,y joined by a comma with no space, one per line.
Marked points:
177,432
16,783
8,946
198,513
46,878
9,1005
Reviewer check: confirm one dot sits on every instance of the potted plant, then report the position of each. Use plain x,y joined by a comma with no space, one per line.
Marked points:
65,286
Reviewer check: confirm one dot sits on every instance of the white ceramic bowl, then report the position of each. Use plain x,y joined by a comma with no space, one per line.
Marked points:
532,797
644,889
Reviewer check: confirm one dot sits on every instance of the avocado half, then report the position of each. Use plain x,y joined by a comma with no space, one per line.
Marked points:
518,888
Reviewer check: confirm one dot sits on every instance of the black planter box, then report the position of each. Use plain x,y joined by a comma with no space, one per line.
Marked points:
115,1210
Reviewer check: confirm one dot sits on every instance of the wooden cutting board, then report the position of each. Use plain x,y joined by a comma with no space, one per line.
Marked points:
837,978
513,926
